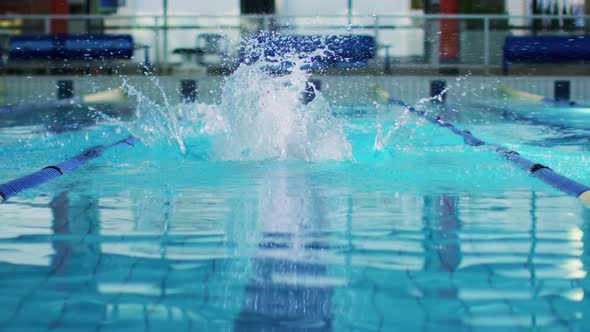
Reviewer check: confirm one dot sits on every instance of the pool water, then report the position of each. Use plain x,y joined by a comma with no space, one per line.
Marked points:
262,213
404,229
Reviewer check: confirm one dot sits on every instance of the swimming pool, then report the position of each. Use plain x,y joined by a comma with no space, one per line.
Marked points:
265,214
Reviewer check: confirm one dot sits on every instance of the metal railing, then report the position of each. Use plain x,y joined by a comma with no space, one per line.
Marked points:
404,40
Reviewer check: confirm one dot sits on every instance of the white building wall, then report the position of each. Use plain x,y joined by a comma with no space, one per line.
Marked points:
311,7
404,36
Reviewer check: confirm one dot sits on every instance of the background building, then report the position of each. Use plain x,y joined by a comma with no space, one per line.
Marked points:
168,25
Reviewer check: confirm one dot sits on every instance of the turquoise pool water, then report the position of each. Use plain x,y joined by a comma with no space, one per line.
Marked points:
411,231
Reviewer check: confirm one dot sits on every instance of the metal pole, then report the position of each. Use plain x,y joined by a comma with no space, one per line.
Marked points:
349,11
87,22
427,27
156,40
165,35
534,12
376,34
47,25
486,41
377,27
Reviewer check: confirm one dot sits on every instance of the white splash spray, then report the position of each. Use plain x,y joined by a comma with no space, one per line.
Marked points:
261,116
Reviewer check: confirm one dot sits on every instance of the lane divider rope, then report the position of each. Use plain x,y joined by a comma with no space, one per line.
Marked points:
51,172
542,172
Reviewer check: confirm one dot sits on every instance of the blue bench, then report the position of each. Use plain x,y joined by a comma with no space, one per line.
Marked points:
70,47
545,49
342,51
70,51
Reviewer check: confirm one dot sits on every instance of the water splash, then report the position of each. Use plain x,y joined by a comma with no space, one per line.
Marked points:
265,119
155,121
261,115
393,128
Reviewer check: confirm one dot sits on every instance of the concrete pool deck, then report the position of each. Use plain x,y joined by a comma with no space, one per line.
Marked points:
344,90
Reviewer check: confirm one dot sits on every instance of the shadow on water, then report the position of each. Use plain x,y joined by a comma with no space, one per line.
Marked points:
442,258
76,260
285,291
442,224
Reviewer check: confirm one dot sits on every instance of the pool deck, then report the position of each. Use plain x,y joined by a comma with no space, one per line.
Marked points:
353,89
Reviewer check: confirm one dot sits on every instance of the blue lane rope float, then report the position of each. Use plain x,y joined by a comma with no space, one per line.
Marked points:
542,172
48,173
